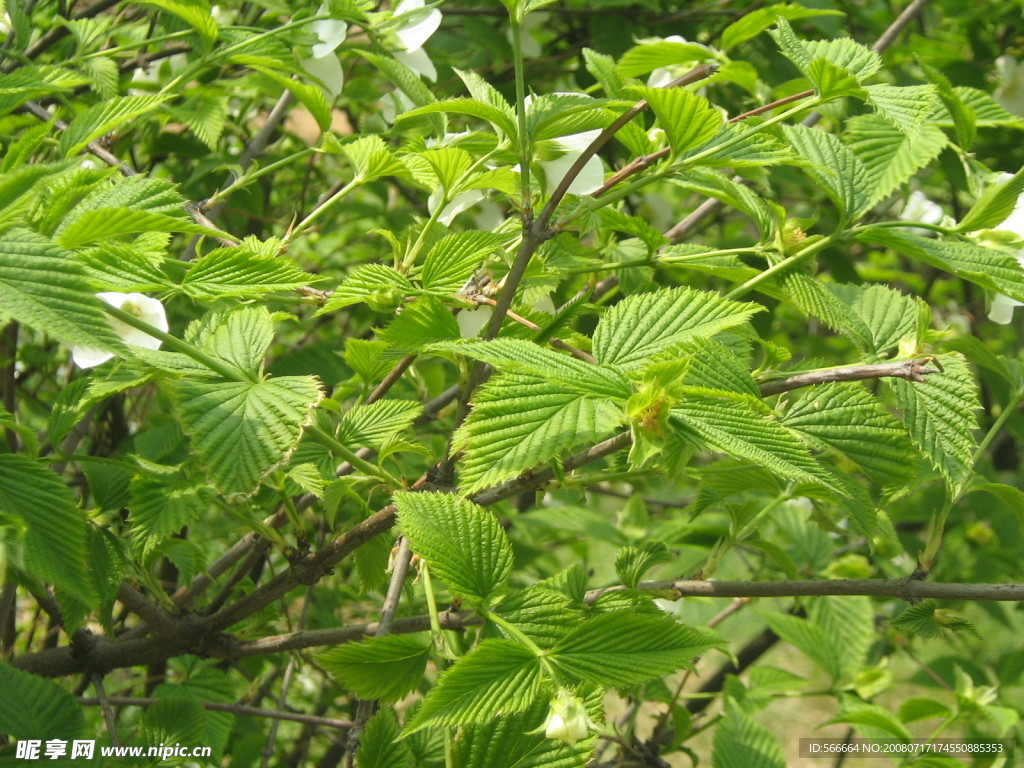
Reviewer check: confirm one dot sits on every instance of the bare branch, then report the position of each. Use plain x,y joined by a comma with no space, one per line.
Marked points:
911,370
218,706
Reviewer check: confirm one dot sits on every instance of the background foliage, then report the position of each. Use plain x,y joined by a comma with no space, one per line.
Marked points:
337,206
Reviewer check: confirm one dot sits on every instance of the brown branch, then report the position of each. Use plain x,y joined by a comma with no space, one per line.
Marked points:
695,75
910,370
217,706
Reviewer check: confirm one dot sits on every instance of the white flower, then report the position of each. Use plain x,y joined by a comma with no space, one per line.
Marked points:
413,33
1010,92
568,720
662,76
324,64
461,202
394,104
589,179
920,208
146,309
1001,310
533,23
472,321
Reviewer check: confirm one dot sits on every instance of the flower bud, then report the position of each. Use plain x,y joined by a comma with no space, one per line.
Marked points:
568,720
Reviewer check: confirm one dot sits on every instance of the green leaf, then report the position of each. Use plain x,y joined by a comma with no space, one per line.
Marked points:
632,563
995,204
242,430
846,418
987,112
722,187
989,268
43,288
624,648
835,168
736,150
102,118
195,13
424,322
742,743
36,708
243,273
385,668
809,638
502,121
687,119
371,159
369,282
906,107
161,505
940,416
519,356
239,336
731,424
872,717
889,155
379,746
462,543
752,24
518,422
843,53
311,96
647,57
642,327
53,545
206,115
408,82
849,623
914,709
374,423
497,677
889,317
454,258
104,223
32,82
517,740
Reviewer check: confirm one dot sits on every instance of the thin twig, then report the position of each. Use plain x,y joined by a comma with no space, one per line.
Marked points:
218,706
108,712
556,343
910,370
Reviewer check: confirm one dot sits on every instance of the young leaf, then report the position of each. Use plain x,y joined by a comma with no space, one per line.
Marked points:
752,24
687,119
939,413
647,57
161,505
462,543
524,357
835,168
371,159
644,326
631,563
906,107
424,322
995,204
518,422
889,155
497,677
241,430
621,648
374,423
195,13
372,283
385,668
102,118
454,258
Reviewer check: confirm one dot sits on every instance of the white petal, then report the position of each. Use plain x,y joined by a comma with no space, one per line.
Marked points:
331,33
414,34
1002,308
408,5
327,70
472,321
394,104
660,77
419,62
89,357
577,142
589,179
460,203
